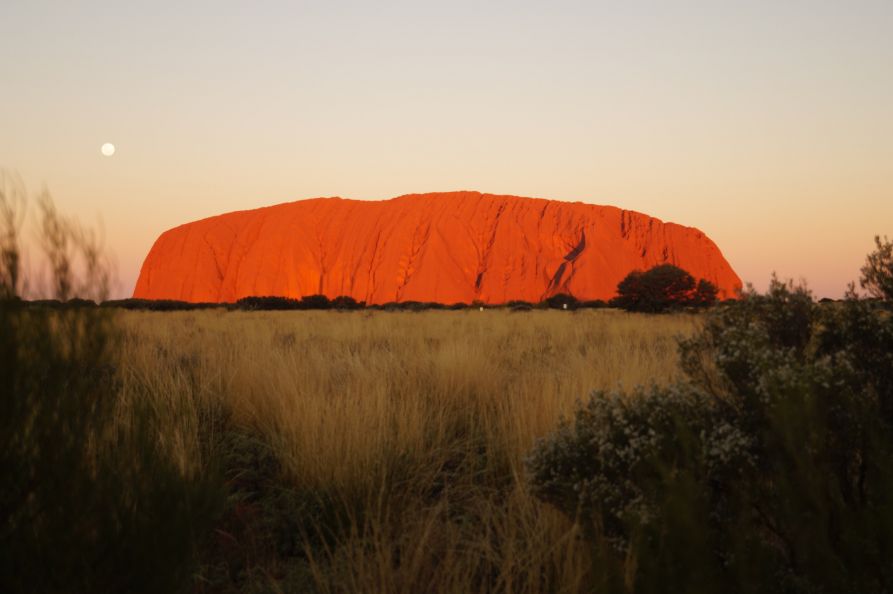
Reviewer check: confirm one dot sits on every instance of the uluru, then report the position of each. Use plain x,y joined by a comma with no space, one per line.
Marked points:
439,247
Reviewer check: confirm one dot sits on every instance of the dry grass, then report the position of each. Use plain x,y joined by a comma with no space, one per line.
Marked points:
418,423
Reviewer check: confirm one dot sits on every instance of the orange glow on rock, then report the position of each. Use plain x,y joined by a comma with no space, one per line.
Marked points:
442,247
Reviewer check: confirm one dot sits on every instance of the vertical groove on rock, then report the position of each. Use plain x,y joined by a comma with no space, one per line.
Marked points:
555,283
484,258
417,243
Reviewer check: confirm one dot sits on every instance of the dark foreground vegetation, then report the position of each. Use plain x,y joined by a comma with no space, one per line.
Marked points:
769,468
90,500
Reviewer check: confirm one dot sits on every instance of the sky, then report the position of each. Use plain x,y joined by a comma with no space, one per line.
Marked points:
767,125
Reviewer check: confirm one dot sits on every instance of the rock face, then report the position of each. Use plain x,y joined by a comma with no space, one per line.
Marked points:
445,247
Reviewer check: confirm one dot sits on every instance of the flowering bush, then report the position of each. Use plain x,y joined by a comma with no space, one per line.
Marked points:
769,469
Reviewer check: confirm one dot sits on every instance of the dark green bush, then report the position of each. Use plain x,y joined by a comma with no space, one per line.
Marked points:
561,301
74,303
345,302
770,469
413,306
315,302
268,303
159,305
275,303
389,306
705,294
662,288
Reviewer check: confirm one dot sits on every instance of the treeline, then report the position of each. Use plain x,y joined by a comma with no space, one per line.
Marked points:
311,302
314,302
659,289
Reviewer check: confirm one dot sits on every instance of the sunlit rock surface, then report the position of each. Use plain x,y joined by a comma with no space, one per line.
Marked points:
442,247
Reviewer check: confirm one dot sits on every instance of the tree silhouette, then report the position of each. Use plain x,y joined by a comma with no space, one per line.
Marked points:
661,288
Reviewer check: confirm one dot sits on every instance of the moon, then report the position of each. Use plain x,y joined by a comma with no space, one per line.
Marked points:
108,149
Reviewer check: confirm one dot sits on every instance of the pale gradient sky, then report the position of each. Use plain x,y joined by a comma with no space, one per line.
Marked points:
768,125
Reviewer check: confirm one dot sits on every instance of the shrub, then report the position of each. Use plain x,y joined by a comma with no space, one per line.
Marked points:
315,302
267,303
345,302
418,305
561,301
78,303
877,273
276,303
159,305
662,288
704,295
767,470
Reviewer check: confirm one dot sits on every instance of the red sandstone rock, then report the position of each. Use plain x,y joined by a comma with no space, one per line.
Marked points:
444,247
